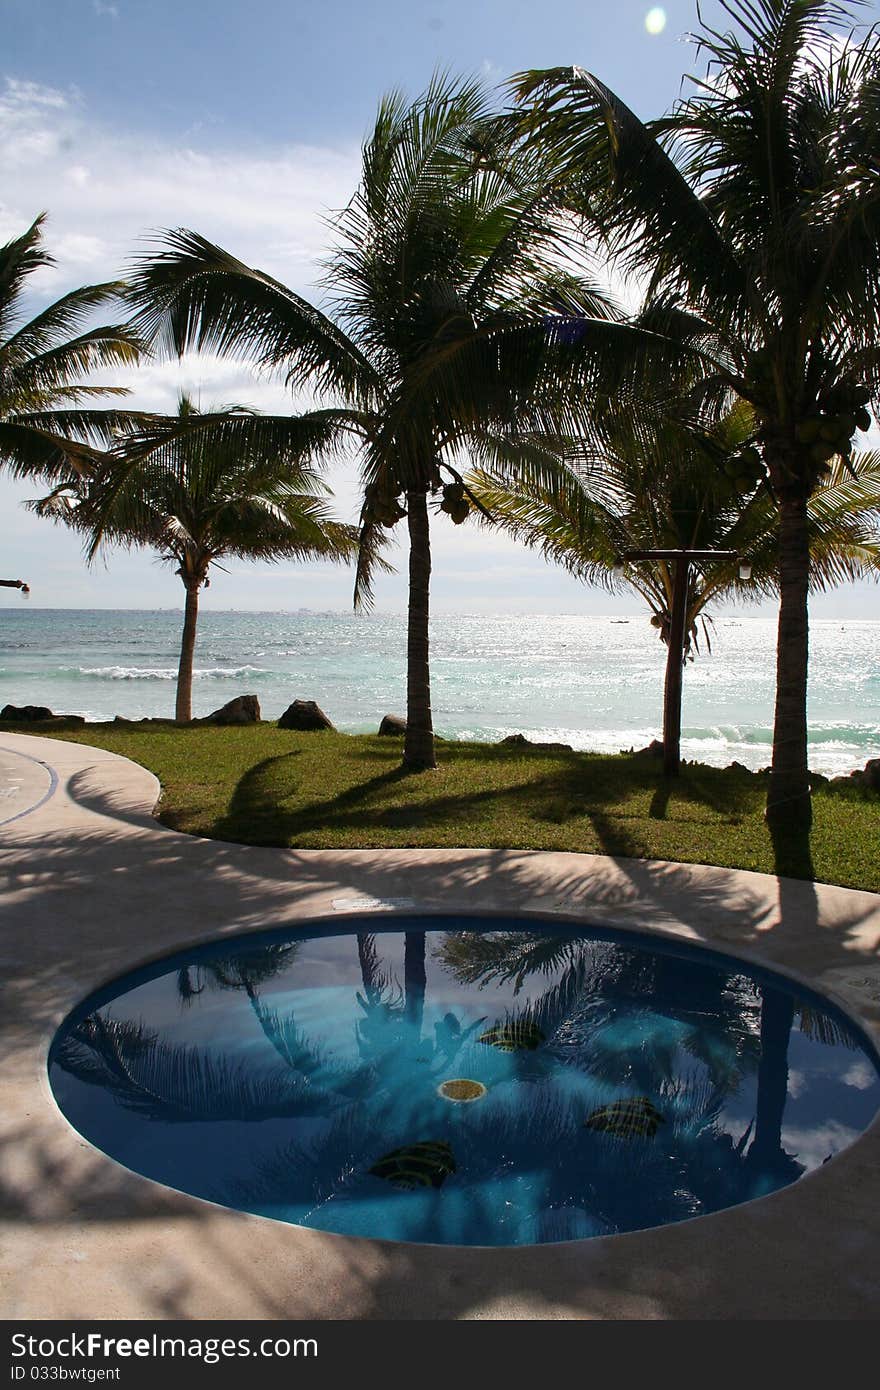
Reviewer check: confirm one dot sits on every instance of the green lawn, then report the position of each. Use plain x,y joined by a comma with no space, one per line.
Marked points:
265,786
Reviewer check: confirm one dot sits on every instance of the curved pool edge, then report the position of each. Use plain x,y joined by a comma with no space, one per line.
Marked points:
101,1245
724,965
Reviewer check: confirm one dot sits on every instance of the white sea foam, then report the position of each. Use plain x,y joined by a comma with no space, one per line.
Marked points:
594,683
167,673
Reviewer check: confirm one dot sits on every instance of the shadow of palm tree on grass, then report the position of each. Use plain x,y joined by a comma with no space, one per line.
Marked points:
599,799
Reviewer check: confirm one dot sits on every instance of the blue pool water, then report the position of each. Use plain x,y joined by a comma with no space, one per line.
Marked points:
621,1082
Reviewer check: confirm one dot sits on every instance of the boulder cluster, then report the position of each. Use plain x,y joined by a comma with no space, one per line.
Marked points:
306,716
39,714
868,777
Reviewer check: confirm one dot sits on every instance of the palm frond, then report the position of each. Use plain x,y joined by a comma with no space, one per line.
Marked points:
28,451
42,368
68,315
194,295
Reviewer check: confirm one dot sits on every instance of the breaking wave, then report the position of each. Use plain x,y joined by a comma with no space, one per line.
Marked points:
833,734
164,673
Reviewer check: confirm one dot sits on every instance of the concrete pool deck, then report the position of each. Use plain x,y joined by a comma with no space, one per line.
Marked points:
92,885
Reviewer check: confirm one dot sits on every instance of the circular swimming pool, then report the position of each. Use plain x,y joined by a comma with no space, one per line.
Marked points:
464,1080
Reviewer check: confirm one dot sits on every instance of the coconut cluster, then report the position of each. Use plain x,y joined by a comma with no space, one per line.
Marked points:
386,508
455,503
826,430
745,469
840,411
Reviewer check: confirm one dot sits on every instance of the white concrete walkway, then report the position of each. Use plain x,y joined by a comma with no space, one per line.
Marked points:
92,886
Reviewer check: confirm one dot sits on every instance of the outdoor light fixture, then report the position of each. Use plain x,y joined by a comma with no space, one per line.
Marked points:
745,570
16,584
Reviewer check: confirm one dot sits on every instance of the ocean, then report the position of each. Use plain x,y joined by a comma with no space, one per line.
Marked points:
593,682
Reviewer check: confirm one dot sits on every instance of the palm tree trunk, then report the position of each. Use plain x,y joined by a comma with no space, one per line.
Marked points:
366,944
777,1017
788,798
418,748
183,710
767,1160
414,978
675,670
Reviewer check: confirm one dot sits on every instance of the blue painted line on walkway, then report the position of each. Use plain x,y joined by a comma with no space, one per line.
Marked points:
51,790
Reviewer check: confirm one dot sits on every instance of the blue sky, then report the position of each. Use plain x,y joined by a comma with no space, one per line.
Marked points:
278,70
244,121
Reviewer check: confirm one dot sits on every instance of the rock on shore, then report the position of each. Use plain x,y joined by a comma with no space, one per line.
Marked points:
868,776
305,716
392,726
39,714
244,709
520,741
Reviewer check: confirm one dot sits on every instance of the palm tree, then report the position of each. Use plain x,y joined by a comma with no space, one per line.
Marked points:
450,330
201,486
44,429
756,205
675,485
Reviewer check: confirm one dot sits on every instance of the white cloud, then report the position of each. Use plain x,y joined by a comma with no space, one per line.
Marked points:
29,124
104,10
26,95
813,1145
797,1083
80,249
107,192
860,1075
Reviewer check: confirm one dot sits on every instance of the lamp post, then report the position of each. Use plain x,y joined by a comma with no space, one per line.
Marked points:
15,584
680,562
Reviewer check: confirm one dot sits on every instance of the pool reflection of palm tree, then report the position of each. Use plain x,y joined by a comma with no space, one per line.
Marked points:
383,999
765,1159
394,1016
585,1182
611,982
381,1002
247,970
415,979
167,1082
688,990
